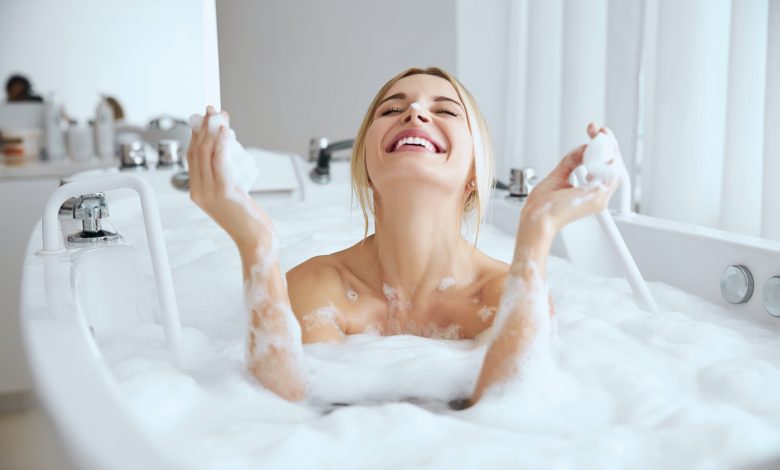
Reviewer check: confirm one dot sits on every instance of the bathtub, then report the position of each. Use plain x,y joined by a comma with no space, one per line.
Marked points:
91,326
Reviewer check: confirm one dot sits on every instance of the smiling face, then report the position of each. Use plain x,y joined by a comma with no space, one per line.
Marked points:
423,130
420,136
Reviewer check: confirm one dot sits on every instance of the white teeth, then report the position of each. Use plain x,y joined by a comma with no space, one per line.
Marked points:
415,141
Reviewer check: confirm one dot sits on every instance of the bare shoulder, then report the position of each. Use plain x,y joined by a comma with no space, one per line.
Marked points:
316,286
315,280
493,274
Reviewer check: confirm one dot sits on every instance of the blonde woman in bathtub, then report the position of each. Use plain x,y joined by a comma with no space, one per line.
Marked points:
422,161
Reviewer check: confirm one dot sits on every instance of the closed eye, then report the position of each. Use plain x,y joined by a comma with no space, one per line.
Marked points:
447,111
394,109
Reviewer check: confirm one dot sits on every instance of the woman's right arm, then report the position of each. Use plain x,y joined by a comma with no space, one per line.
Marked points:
274,347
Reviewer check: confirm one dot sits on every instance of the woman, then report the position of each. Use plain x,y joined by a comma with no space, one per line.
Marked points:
421,162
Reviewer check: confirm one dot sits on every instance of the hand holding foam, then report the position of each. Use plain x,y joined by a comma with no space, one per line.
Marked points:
602,159
239,167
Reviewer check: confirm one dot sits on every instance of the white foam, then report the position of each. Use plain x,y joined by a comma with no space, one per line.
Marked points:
445,284
486,313
239,167
415,106
690,387
602,158
352,296
323,316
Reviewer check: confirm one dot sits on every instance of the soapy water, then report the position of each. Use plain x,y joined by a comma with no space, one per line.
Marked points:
690,387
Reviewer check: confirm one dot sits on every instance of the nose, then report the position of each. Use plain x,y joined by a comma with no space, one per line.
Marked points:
415,113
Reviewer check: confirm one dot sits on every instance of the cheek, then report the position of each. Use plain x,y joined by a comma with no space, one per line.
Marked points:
373,144
463,146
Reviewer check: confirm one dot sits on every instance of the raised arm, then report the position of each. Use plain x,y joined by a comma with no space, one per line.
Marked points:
522,324
274,350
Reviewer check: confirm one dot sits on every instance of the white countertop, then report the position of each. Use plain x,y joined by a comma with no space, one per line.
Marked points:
36,169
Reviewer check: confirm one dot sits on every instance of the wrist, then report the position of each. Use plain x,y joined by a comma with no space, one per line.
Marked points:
535,236
253,239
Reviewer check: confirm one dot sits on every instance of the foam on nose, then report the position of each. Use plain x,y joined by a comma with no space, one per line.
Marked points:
415,106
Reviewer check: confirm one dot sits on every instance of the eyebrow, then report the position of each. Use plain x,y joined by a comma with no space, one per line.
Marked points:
402,96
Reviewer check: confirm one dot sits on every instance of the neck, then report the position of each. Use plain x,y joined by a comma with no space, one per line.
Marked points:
417,244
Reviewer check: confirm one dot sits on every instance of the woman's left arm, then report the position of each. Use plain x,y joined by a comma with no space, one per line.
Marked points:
523,315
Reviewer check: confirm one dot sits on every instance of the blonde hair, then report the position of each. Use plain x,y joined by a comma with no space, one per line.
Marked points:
483,150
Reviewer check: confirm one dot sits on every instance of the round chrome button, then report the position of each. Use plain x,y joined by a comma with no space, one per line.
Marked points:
771,296
736,284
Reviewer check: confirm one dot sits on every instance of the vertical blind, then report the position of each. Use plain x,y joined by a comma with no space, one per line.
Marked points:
691,89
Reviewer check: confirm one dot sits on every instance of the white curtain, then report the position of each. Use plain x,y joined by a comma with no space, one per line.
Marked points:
691,89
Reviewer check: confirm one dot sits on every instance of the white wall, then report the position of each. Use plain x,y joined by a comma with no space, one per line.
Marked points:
295,69
147,53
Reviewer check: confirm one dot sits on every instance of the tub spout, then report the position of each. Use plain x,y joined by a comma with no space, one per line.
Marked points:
90,209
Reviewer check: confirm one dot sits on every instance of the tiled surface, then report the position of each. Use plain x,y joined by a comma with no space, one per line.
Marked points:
28,442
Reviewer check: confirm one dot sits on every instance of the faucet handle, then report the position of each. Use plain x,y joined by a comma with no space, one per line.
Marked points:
316,144
90,208
521,181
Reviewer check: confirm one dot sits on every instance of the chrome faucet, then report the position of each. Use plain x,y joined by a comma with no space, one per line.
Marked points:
89,209
521,181
322,152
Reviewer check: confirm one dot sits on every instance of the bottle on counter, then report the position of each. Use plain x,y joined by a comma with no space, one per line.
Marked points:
54,144
80,143
104,131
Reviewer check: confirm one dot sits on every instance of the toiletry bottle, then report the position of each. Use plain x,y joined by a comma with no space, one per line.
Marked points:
104,131
55,140
80,143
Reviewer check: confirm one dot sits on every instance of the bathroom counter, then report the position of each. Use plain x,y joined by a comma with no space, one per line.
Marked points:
35,169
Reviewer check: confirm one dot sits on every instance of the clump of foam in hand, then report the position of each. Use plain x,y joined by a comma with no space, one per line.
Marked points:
239,166
602,158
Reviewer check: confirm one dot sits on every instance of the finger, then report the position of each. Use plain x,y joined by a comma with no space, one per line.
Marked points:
571,161
205,150
193,166
208,139
210,111
592,130
217,163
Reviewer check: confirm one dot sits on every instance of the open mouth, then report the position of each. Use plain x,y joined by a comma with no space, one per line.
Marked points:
414,141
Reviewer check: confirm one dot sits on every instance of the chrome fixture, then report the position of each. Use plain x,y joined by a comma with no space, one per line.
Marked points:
736,284
322,152
89,209
168,153
770,295
132,155
181,180
521,181
166,122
